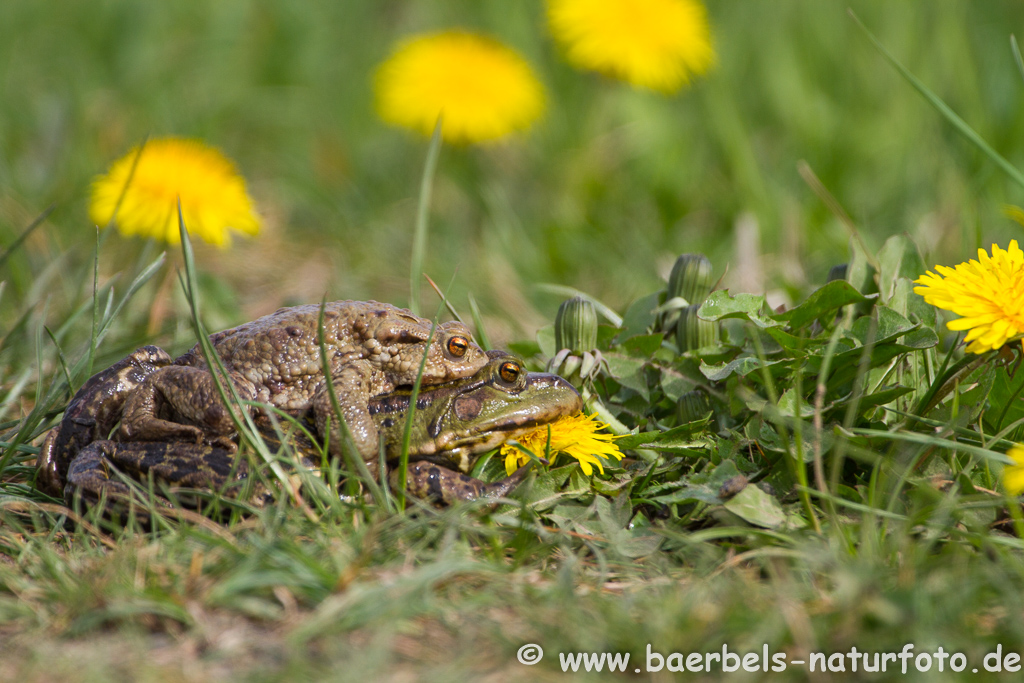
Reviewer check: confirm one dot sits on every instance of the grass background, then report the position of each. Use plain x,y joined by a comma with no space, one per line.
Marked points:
601,195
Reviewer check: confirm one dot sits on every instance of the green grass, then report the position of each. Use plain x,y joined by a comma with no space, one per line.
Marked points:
875,445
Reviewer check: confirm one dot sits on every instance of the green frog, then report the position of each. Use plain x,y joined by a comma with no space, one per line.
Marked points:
452,423
372,349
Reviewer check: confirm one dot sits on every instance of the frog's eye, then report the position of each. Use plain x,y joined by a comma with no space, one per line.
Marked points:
509,371
457,346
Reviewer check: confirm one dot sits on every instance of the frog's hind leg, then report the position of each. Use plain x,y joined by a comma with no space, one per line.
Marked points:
93,412
439,484
91,477
182,403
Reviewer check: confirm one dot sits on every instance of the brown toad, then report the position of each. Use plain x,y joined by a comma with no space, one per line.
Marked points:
372,349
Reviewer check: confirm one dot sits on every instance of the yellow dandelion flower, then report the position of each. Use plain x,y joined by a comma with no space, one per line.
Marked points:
576,435
1013,475
213,195
988,293
656,44
483,90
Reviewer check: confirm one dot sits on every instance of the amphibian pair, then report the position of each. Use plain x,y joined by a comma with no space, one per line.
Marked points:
174,426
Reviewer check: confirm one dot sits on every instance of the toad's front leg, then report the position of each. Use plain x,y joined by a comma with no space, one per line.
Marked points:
181,403
354,384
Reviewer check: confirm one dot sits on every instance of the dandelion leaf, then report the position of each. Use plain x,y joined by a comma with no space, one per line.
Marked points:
756,507
822,304
720,306
898,258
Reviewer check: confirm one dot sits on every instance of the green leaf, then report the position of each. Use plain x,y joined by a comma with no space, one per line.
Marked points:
702,487
640,315
756,507
908,303
546,340
720,306
641,346
769,439
675,385
789,401
859,272
638,544
824,302
1006,398
881,397
890,326
629,372
682,436
556,485
898,258
524,349
788,341
846,365
614,516
740,366
921,338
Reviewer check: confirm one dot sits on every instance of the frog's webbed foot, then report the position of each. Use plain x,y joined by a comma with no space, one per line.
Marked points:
91,477
353,385
181,403
439,484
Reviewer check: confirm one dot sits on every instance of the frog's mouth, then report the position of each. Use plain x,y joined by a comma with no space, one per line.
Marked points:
460,452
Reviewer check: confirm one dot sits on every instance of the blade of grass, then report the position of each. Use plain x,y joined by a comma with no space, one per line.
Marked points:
225,387
443,297
943,109
827,198
478,323
60,355
25,233
414,395
419,238
403,462
793,450
96,264
136,284
1016,55
45,401
90,356
819,405
936,442
357,468
863,369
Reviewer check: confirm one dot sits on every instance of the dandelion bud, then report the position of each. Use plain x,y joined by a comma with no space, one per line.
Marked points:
690,278
693,405
576,325
694,333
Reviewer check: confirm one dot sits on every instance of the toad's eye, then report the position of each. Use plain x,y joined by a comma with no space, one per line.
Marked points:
457,346
509,371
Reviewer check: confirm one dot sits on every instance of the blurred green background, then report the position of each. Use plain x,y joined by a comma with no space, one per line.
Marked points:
601,194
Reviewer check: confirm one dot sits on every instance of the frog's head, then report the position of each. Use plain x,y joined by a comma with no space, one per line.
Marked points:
457,420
